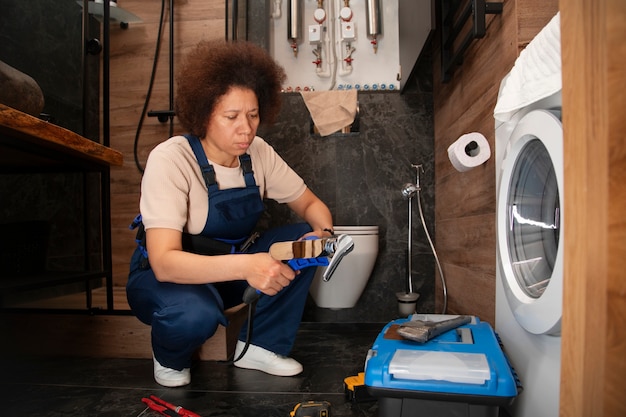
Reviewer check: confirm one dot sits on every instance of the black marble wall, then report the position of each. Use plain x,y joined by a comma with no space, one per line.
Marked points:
43,38
359,176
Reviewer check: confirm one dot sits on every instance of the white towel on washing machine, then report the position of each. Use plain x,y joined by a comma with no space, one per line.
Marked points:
536,73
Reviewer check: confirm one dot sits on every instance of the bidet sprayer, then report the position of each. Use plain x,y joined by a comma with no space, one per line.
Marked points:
409,190
418,168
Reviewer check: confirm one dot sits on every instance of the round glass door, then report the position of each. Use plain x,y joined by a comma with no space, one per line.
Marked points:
533,222
530,222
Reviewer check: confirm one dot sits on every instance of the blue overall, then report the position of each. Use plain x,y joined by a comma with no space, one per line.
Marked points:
184,316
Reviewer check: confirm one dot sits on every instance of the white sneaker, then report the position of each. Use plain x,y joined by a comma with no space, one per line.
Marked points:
263,360
169,377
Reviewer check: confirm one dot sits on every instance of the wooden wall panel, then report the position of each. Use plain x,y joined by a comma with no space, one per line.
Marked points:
134,48
593,371
532,16
470,276
465,202
615,361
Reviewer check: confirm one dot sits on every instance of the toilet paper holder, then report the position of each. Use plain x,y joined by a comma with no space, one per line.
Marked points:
471,149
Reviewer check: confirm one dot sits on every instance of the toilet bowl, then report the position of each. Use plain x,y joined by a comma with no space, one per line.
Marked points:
350,278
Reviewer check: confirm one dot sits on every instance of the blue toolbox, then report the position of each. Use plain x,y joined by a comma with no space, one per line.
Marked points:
462,372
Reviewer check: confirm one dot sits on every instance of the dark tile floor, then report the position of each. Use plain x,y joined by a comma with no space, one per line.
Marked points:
53,387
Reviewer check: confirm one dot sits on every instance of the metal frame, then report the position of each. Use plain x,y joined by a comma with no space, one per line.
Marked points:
453,20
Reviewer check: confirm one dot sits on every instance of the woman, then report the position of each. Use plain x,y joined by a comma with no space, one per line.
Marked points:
210,184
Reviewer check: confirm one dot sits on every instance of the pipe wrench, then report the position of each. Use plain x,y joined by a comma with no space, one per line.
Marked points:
308,252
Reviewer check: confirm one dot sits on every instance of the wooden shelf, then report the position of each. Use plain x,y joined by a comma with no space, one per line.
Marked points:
27,141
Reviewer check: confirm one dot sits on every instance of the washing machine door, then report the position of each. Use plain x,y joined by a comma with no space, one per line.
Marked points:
530,222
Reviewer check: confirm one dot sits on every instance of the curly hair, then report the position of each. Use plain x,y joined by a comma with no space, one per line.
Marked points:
213,68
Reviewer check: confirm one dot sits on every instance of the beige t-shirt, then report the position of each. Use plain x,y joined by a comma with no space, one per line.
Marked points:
174,194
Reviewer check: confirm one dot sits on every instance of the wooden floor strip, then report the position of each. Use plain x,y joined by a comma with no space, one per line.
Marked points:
98,335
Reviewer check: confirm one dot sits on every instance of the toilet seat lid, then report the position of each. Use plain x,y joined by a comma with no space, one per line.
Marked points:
356,230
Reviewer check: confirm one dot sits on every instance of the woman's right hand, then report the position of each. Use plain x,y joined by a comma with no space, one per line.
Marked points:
171,264
266,274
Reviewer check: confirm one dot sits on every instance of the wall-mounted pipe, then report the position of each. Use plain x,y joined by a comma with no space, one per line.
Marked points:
374,27
294,24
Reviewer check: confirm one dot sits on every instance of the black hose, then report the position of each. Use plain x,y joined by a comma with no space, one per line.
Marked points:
149,93
250,297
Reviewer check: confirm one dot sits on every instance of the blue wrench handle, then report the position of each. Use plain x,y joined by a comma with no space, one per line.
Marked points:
301,263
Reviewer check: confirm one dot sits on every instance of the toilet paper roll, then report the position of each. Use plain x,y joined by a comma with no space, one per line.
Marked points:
469,151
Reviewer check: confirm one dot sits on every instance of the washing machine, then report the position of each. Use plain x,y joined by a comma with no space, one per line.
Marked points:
529,274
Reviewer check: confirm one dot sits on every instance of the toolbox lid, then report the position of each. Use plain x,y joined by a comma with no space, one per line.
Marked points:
450,366
424,365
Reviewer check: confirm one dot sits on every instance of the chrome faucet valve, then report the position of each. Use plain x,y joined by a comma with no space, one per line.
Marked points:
336,248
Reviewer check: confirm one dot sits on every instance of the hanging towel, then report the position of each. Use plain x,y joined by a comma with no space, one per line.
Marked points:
331,110
535,75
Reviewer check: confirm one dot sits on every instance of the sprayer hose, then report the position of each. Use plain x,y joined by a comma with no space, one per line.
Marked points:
432,246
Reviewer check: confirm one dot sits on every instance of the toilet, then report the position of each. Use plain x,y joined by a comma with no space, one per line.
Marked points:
350,278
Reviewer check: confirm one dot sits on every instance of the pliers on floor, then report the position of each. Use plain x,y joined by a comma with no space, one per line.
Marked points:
167,409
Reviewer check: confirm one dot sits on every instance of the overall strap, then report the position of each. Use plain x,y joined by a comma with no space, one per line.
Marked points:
208,173
246,166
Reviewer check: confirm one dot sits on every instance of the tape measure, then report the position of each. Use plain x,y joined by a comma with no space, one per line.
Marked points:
311,409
